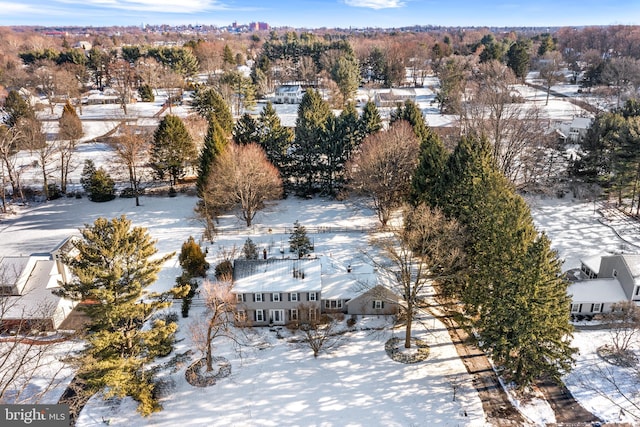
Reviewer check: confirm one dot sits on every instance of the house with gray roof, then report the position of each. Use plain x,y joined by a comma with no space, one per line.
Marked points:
282,291
603,281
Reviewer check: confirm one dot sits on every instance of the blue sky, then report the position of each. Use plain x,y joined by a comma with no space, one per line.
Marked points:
321,13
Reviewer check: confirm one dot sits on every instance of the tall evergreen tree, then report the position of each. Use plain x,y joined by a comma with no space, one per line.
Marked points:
275,139
114,265
313,114
207,101
16,108
342,135
427,175
245,131
370,121
299,241
504,304
410,112
530,333
518,58
172,149
346,73
214,143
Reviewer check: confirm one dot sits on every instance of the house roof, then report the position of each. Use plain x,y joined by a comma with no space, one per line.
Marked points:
36,299
596,291
277,275
593,263
633,262
12,270
288,89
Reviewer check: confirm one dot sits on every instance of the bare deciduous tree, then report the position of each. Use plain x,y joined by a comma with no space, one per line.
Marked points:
9,141
384,166
70,132
217,320
550,72
493,110
132,148
624,325
427,249
243,177
319,333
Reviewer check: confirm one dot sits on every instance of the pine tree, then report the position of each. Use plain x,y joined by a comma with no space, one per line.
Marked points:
114,265
245,131
427,175
101,187
87,172
17,109
172,149
313,114
214,143
207,101
341,137
513,294
518,58
275,139
370,121
412,113
249,249
535,322
192,259
298,240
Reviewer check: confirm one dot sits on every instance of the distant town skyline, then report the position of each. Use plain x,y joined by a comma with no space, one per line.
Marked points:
321,13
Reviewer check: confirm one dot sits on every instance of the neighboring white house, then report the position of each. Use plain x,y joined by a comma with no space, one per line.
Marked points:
604,281
282,291
574,131
288,94
26,291
393,97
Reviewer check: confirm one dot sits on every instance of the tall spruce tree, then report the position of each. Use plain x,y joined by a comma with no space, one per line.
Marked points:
214,143
370,121
114,265
245,131
410,112
207,101
311,122
275,139
172,149
513,291
299,241
431,162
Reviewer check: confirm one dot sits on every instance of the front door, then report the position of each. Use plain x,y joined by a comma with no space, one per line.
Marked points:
276,317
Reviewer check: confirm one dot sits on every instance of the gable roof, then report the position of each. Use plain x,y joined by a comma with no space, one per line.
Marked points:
596,291
277,275
633,263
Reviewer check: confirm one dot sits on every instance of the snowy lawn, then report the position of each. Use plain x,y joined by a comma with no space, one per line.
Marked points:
352,384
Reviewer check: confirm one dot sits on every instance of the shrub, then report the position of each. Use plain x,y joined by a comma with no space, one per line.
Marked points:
224,269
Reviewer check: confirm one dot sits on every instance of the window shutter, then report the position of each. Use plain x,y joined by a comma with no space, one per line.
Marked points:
373,304
255,316
254,297
382,304
289,297
263,297
592,308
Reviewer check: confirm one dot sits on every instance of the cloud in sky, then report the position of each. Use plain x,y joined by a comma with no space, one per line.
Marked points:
375,4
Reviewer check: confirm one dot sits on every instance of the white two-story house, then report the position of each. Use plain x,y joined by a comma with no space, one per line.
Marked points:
283,291
604,281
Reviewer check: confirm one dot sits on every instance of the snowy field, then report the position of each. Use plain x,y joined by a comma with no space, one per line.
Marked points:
355,384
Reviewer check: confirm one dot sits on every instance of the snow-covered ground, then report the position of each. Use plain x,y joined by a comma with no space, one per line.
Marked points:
353,384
